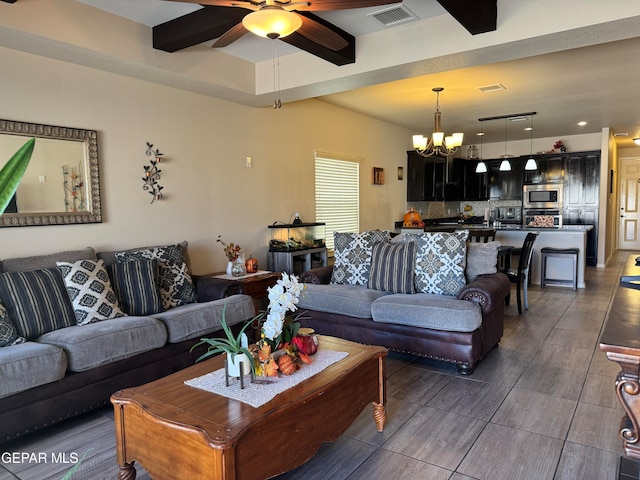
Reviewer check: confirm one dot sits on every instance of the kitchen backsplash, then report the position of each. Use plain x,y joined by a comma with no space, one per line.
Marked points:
454,209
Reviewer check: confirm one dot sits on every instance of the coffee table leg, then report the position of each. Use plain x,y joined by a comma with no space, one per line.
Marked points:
379,415
127,472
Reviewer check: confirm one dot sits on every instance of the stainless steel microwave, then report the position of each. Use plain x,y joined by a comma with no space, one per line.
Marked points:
543,196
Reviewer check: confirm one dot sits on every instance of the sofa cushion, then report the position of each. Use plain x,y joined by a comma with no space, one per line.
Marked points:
482,259
352,254
100,343
426,310
39,262
37,301
191,321
89,290
352,300
8,333
136,286
440,262
29,365
392,267
176,285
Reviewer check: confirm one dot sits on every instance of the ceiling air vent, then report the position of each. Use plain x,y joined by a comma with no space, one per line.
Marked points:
496,87
394,15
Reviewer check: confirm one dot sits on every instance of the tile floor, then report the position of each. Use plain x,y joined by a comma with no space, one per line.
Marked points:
541,406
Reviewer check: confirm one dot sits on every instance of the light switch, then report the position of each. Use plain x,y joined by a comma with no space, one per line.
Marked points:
42,178
249,162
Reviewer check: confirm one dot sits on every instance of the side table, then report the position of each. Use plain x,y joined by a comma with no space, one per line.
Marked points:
254,284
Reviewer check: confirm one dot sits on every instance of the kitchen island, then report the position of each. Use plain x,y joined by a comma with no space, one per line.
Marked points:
567,236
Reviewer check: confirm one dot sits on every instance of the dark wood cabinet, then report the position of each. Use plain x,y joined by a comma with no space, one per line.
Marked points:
505,185
471,185
551,169
430,179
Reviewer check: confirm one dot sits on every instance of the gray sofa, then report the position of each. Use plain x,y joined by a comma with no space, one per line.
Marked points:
460,328
66,371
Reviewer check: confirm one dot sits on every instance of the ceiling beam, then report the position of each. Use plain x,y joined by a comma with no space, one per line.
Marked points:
211,22
196,27
477,16
9,1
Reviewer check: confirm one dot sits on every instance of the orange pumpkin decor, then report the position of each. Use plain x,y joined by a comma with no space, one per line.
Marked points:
285,362
412,219
252,265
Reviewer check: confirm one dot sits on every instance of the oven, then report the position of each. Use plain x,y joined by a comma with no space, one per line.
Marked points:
542,218
547,196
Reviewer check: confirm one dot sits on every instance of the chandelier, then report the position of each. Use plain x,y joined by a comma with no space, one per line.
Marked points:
438,144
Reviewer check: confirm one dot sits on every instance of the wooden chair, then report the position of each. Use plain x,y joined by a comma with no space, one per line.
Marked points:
521,276
482,235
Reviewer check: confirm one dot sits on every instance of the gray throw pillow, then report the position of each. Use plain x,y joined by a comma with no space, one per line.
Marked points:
352,254
90,292
392,267
440,262
482,259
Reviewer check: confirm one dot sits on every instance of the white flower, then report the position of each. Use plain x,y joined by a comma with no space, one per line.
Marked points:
283,297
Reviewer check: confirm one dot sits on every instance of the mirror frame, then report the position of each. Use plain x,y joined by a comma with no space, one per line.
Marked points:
90,140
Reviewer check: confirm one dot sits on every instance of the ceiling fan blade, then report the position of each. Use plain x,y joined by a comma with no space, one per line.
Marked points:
321,35
230,36
319,5
214,3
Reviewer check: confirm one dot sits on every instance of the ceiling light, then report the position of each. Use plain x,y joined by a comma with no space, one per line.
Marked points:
481,167
531,163
272,22
636,140
438,144
505,165
582,124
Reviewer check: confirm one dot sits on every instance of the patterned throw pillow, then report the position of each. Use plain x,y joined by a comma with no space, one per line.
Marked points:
392,267
136,286
352,254
37,301
8,334
482,259
89,290
176,285
440,262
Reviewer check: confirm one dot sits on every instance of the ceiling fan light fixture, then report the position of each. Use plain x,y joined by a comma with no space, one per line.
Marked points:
272,22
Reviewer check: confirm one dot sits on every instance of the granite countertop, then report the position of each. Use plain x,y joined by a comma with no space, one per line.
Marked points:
507,227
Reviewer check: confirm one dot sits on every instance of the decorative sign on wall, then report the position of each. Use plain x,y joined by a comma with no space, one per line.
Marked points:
152,173
378,176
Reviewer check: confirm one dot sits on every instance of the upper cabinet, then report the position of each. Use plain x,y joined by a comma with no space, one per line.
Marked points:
506,185
430,179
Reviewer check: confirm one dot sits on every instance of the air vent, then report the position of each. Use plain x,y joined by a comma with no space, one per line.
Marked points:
394,15
492,88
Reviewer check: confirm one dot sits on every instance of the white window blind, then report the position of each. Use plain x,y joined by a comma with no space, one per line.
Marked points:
337,194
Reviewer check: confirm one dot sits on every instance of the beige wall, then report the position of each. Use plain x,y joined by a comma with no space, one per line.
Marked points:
208,189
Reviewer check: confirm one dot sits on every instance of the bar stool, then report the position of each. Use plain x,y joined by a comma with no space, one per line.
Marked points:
547,252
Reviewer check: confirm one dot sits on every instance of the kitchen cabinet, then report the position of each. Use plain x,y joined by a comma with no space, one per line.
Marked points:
472,186
551,169
430,179
581,196
505,185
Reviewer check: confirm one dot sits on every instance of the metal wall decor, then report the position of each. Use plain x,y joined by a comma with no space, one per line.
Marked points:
152,173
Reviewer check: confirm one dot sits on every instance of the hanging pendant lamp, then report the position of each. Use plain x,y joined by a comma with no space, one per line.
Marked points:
481,167
437,144
505,165
531,163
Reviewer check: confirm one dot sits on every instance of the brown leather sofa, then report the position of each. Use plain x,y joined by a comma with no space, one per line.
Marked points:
464,348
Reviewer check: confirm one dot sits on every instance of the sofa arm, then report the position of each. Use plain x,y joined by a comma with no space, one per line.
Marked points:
211,288
320,275
487,290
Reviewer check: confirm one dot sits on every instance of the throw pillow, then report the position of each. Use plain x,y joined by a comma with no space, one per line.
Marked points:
176,285
392,267
8,334
440,262
482,259
37,301
352,255
136,286
89,290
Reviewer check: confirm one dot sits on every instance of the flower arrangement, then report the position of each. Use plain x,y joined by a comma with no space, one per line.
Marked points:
280,331
231,250
559,146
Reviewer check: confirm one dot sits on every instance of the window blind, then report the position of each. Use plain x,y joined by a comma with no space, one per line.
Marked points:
337,194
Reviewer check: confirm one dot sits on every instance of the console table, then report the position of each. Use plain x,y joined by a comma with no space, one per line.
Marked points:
620,340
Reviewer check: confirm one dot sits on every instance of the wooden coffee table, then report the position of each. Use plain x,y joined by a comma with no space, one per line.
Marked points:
178,431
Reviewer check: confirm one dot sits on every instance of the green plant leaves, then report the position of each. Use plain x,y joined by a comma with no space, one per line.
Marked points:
12,173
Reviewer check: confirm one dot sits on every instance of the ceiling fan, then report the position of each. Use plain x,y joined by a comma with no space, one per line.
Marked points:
277,18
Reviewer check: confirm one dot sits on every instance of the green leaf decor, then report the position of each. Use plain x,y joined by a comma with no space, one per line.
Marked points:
12,173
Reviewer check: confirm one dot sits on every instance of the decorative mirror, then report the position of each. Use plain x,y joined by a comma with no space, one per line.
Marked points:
62,184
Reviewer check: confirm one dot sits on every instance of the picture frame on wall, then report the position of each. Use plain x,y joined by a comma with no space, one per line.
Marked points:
400,173
378,176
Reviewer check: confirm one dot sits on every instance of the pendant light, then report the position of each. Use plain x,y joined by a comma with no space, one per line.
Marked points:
531,163
438,144
505,165
481,167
